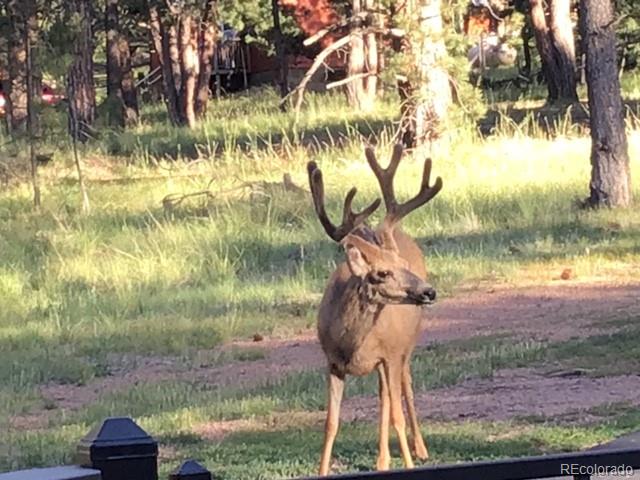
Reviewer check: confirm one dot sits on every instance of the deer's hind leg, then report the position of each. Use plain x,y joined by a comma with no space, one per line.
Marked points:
419,446
335,384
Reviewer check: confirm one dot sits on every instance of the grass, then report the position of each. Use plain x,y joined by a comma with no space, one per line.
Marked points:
281,418
355,447
271,450
616,353
127,278
82,295
536,93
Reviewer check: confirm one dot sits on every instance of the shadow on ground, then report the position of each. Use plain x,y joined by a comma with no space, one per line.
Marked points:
550,119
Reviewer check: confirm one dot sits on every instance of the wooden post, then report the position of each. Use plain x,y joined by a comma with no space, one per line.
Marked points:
121,450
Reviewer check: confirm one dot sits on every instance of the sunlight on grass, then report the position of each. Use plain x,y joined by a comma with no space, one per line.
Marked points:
80,294
270,447
248,262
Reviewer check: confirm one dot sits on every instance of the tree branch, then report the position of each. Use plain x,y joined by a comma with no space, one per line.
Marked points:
350,79
317,63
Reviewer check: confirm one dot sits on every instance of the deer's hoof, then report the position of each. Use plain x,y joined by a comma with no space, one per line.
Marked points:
421,451
383,463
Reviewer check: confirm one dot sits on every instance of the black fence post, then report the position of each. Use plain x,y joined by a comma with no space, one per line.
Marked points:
190,470
121,450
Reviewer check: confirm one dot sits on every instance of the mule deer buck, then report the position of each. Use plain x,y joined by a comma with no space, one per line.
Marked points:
370,314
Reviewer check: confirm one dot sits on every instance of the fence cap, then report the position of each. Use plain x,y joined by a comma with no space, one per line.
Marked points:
54,473
191,470
116,437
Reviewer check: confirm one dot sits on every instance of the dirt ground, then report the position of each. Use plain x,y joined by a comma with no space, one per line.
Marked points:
513,393
554,312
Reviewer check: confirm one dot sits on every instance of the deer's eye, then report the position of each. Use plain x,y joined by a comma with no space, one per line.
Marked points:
378,276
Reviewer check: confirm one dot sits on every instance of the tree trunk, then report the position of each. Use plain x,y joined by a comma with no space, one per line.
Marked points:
4,80
128,84
371,49
115,113
121,91
34,71
162,43
206,48
189,67
564,47
185,40
356,65
362,68
16,97
545,47
174,54
80,87
114,73
29,40
281,53
526,50
610,173
371,80
555,43
425,106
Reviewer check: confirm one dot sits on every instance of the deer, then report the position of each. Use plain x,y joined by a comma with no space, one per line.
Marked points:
370,316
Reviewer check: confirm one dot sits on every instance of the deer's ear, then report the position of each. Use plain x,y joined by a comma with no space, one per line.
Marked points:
356,261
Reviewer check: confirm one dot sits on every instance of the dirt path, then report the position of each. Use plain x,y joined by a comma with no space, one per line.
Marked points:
511,394
553,313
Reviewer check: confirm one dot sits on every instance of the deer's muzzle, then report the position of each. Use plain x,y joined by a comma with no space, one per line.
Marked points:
423,296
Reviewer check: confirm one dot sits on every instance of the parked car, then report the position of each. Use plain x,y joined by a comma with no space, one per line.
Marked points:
49,97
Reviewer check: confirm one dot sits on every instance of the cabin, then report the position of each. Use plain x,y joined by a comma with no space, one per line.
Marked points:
239,66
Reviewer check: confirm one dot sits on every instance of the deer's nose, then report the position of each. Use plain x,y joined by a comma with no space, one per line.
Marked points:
429,293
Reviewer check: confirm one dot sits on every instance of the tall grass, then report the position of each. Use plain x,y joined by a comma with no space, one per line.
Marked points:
134,276
79,294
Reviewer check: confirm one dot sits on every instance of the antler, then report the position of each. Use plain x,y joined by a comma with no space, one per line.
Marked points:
350,219
396,211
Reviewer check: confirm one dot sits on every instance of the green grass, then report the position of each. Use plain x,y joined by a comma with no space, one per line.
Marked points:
436,366
82,295
535,92
355,448
273,445
616,353
278,415
272,451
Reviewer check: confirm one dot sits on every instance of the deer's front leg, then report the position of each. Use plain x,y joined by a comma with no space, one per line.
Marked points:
418,443
394,378
384,457
335,391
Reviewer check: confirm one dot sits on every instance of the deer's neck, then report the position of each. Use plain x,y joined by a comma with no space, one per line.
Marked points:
359,314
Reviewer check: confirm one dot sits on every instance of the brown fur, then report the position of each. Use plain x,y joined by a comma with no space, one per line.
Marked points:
340,319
